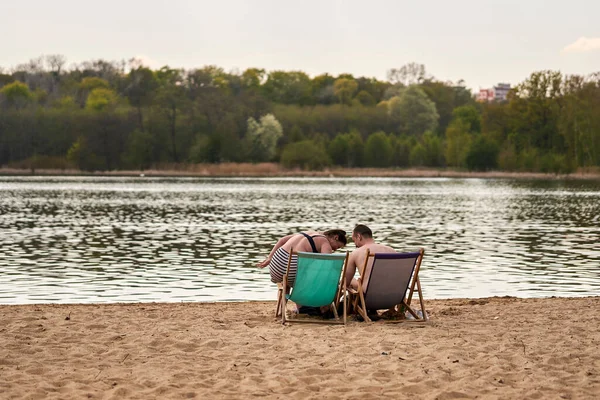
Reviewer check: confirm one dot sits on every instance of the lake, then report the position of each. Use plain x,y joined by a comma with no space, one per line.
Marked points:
107,239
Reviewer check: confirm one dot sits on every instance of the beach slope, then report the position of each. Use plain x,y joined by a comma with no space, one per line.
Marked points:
495,348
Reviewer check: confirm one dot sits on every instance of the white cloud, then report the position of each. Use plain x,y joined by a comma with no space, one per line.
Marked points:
582,45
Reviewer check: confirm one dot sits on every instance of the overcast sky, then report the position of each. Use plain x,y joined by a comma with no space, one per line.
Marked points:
482,42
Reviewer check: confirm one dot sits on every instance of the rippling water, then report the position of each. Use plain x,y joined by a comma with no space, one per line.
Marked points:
85,240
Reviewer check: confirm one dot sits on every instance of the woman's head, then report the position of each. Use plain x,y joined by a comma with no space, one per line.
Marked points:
336,238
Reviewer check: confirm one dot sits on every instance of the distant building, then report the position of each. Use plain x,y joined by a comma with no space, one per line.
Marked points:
485,95
498,93
501,91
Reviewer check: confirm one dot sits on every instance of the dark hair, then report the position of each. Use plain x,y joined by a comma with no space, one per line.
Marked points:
364,231
341,234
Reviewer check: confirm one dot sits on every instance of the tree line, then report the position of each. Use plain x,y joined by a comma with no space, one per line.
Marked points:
102,115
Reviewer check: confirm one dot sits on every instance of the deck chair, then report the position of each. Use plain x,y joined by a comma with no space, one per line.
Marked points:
319,282
390,285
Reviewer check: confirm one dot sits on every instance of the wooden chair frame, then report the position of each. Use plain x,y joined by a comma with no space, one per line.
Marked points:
359,304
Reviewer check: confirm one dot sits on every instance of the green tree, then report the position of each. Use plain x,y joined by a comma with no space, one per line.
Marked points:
579,123
204,150
170,101
140,87
365,98
402,146
507,157
338,150
347,149
83,157
458,143
306,155
296,134
66,103
434,150
344,90
373,87
16,94
228,141
447,97
393,91
261,137
412,112
252,78
87,85
90,83
140,149
41,97
322,89
355,153
535,110
483,155
292,87
378,150
529,160
418,155
101,99
470,116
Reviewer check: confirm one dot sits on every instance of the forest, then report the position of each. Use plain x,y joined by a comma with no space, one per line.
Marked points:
105,115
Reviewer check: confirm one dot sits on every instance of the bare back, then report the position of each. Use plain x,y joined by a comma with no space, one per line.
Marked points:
357,260
299,242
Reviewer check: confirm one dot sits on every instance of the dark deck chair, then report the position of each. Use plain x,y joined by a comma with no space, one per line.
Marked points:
391,284
320,281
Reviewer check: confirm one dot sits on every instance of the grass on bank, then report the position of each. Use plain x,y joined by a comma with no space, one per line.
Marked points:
57,167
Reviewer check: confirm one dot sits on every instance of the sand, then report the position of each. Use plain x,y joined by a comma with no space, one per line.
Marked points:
496,348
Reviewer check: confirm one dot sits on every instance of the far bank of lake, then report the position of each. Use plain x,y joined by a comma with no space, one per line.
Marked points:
276,170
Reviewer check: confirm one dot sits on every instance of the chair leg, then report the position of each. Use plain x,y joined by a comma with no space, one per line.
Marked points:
283,311
284,299
345,307
411,311
279,292
425,317
334,309
362,307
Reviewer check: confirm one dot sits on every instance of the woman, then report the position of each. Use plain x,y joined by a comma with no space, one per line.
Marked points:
316,242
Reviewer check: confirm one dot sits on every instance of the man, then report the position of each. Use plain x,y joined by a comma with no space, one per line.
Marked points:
363,239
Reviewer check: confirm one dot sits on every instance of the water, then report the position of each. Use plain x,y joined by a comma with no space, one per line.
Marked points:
106,239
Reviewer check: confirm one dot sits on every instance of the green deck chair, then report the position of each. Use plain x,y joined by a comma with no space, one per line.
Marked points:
319,282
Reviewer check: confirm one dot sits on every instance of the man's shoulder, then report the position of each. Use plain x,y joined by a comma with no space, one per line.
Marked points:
359,251
380,248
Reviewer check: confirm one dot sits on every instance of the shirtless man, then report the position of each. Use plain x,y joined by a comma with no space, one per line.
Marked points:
316,242
363,239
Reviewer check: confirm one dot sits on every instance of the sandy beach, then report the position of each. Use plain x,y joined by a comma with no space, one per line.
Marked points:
495,348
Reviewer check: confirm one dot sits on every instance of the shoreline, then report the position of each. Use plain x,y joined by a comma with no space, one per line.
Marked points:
242,302
275,170
493,348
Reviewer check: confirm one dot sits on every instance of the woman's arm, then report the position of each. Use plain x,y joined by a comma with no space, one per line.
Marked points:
279,243
326,247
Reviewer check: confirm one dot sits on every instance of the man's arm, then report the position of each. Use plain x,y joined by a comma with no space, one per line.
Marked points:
351,268
279,243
